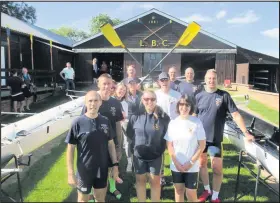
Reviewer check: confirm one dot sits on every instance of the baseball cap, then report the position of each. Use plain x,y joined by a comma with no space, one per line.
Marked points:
163,75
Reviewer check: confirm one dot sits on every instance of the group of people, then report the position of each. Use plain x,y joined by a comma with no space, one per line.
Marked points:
181,116
22,89
68,73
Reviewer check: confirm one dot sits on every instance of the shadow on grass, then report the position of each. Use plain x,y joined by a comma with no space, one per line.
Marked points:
42,160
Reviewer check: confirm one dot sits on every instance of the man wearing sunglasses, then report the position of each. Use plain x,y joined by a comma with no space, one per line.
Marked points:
167,99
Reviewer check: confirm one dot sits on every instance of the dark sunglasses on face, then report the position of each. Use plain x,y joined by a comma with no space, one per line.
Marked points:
184,104
163,80
151,99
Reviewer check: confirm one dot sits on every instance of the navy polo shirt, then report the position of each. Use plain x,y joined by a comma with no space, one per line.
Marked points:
147,135
212,109
91,137
112,109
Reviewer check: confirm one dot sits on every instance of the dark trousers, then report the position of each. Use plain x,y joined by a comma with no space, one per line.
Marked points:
70,85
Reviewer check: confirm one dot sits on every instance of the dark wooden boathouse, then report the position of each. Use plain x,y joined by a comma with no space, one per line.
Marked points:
19,40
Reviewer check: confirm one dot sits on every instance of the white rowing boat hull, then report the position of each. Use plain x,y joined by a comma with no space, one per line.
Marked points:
40,128
267,156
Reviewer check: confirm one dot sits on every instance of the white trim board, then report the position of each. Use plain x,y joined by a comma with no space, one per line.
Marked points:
152,50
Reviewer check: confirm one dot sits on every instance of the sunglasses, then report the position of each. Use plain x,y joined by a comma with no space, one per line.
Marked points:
151,99
184,104
163,80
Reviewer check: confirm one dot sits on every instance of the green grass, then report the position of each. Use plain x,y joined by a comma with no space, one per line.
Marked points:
266,112
47,180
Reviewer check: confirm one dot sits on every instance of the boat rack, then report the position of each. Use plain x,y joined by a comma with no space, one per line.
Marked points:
256,176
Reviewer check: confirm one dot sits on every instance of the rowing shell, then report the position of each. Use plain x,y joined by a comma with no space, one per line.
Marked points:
40,128
265,148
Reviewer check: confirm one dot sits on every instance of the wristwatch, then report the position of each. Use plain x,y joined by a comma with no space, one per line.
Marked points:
116,164
191,162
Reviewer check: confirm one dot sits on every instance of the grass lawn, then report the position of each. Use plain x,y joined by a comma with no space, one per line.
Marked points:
261,109
47,180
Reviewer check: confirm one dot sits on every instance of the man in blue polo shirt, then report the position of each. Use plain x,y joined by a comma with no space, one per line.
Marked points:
93,135
213,105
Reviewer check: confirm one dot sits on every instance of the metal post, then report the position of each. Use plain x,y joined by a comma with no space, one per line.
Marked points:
18,179
257,181
238,173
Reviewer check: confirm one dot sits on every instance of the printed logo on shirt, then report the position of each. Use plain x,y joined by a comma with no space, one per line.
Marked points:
218,101
194,88
105,128
156,126
113,110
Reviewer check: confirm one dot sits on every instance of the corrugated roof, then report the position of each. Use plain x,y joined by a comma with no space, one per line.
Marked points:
252,57
23,27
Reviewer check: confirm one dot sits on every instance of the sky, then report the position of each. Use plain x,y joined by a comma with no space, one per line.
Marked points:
251,25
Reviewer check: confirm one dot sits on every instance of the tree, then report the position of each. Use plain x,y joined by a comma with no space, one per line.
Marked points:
71,33
20,11
99,20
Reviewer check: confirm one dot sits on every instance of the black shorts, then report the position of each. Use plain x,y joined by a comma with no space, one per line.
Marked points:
141,167
26,92
214,149
18,98
85,186
189,179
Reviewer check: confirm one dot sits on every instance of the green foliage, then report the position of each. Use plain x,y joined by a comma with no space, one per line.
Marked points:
71,33
99,20
19,10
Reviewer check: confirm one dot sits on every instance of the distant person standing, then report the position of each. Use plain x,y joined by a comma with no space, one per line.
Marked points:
131,74
69,76
16,85
174,83
27,87
95,73
189,87
104,68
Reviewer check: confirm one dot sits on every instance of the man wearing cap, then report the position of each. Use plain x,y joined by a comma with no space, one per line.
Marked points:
167,99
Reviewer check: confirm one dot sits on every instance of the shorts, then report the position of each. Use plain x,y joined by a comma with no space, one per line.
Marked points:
26,92
85,186
189,179
142,167
214,149
18,98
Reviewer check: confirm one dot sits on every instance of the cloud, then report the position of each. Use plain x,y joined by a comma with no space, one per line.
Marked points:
197,18
221,14
272,33
245,18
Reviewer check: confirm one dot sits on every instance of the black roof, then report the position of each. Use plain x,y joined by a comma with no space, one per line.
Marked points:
252,57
